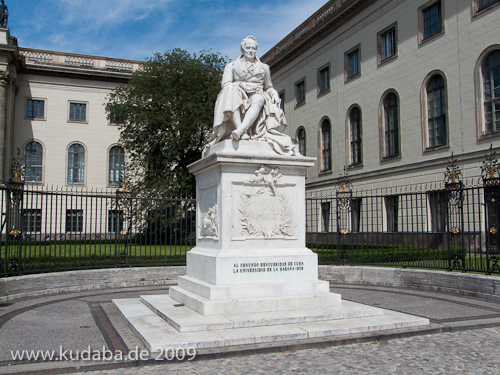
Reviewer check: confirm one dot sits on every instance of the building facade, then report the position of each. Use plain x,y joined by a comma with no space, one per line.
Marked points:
55,116
388,89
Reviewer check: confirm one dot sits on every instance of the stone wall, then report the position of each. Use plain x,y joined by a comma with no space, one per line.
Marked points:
481,286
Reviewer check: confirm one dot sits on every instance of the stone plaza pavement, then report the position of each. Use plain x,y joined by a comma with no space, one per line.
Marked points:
463,338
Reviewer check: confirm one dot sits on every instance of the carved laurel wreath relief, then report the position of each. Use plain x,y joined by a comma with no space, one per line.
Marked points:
264,185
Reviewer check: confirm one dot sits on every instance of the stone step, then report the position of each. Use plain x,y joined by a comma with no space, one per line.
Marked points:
184,319
255,290
158,335
205,306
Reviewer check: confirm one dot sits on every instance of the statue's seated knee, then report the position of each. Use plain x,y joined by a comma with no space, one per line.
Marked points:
257,99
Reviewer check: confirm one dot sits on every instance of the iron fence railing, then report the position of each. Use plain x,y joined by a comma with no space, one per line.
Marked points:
55,230
451,226
454,226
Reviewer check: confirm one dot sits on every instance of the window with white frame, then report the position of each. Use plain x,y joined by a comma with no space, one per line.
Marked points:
490,69
35,109
301,139
77,112
33,157
32,220
355,136
74,221
326,151
391,125
116,166
436,111
115,221
76,164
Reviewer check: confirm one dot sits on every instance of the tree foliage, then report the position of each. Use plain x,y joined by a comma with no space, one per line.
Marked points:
166,115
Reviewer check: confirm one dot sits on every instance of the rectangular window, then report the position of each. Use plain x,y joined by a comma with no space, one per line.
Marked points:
32,220
437,204
300,92
391,208
112,118
282,101
78,112
353,63
325,216
115,221
433,20
486,3
387,44
74,221
35,109
324,79
355,214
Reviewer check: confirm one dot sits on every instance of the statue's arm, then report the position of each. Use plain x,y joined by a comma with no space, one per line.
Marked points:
227,76
268,85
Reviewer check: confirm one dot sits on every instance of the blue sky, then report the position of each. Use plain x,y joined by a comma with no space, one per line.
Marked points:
136,29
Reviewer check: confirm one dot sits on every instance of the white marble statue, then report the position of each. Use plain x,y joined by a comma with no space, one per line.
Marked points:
248,106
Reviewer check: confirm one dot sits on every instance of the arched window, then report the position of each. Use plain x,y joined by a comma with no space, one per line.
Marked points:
33,157
326,151
301,138
356,136
391,125
490,68
436,111
116,165
76,164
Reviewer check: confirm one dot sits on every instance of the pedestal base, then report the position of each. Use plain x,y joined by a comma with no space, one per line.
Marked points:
162,323
208,299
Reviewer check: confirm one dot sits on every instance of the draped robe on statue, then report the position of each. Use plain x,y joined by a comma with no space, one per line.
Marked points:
271,121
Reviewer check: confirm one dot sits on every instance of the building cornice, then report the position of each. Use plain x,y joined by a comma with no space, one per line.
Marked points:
45,62
328,18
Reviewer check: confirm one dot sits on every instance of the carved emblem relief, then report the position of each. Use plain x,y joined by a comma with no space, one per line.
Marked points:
209,226
265,210
208,220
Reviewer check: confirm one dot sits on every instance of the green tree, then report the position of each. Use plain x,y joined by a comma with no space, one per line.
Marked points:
166,116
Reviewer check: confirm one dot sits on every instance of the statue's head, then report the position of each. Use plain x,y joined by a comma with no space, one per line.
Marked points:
248,40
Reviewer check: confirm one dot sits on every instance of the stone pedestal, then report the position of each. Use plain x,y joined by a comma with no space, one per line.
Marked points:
250,278
250,254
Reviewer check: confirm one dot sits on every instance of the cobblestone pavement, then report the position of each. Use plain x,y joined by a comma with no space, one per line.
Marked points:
464,352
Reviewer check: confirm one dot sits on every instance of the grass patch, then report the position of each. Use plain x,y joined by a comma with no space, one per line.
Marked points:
367,253
73,255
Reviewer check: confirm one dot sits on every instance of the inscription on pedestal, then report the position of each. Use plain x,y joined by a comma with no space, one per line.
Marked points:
268,267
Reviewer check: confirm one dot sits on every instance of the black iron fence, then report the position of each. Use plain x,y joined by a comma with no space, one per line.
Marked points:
454,226
46,230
